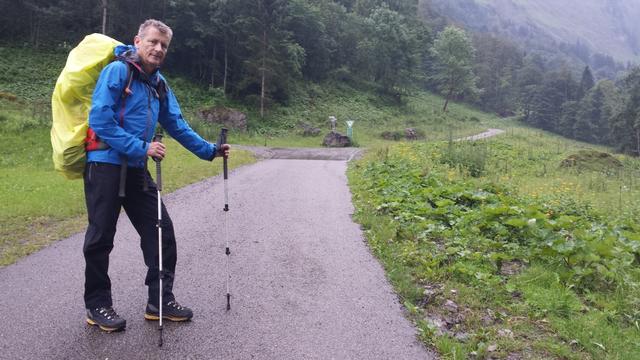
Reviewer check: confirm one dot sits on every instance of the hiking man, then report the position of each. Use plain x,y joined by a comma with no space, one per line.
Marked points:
130,98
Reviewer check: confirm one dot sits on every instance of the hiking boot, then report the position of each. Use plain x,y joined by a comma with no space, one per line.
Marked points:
106,318
170,311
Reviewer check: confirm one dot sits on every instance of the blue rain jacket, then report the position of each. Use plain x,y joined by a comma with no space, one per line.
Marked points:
142,110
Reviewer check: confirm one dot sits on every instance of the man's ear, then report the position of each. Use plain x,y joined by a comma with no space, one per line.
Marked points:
136,40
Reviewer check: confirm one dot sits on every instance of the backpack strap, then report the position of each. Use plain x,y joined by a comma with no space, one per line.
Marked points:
123,159
125,92
92,141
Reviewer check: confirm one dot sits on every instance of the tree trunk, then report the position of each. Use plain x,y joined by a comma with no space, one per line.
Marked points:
446,101
36,31
638,142
213,67
104,16
224,82
262,70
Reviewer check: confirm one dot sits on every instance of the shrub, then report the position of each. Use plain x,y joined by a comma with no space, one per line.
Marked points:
470,156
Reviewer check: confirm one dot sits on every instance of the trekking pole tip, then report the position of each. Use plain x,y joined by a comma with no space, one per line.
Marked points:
228,301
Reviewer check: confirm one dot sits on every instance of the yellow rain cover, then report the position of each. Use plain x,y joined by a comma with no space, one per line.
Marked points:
71,101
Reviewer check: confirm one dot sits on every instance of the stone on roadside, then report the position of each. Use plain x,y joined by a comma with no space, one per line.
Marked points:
451,306
228,117
308,129
335,139
410,134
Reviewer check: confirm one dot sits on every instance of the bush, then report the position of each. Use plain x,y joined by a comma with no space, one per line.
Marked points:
470,156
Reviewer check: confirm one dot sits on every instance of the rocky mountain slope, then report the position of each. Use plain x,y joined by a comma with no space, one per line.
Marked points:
583,27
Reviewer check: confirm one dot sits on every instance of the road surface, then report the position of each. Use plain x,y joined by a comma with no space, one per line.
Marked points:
304,284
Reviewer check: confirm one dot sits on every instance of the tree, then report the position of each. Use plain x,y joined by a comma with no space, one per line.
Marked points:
625,124
530,77
496,64
546,103
310,26
586,83
595,109
453,55
274,58
105,5
388,51
567,120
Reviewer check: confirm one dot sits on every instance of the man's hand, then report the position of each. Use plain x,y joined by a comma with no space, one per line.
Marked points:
224,150
156,150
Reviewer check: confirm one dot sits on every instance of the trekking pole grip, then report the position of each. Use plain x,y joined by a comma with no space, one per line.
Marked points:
222,139
158,138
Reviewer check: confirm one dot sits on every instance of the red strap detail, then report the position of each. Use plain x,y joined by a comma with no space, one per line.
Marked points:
138,67
92,142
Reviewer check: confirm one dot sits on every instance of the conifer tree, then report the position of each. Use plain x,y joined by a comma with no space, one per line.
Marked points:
586,83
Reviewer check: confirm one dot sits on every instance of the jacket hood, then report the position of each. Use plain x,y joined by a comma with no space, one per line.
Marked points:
126,52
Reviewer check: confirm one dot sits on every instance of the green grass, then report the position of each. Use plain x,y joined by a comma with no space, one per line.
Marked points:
530,160
537,270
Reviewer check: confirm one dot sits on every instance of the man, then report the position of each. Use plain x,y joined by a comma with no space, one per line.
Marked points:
129,99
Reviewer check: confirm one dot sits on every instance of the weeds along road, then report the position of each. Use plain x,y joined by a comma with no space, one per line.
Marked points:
304,284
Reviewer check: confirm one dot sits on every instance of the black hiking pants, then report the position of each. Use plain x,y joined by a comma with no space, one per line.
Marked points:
101,183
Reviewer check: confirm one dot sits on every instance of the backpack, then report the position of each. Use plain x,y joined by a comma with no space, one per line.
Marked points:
71,102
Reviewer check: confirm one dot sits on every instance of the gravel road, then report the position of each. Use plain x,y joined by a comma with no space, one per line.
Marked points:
487,134
304,284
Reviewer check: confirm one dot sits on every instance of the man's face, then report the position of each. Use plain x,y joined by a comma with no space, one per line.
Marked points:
152,47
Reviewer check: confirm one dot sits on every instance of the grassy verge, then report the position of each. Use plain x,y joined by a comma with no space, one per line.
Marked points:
38,206
487,269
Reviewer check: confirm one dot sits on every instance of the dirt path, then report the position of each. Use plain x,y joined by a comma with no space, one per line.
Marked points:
487,134
304,284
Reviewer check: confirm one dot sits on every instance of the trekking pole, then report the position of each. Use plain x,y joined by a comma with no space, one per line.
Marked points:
123,177
221,141
158,138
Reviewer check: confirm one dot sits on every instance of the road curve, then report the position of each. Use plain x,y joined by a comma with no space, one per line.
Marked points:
304,284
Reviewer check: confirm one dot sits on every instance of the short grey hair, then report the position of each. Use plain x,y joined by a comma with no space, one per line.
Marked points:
162,27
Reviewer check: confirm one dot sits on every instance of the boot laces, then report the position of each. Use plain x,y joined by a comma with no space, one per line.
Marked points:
108,313
174,304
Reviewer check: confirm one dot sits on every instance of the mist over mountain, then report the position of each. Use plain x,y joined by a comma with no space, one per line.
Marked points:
591,30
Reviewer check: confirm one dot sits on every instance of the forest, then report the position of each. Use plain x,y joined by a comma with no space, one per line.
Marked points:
258,52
